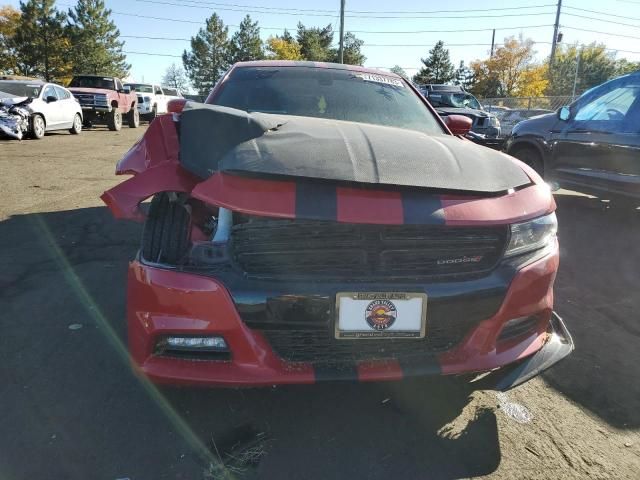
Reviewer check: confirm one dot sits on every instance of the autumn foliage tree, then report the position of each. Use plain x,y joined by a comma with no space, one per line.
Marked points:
9,20
283,49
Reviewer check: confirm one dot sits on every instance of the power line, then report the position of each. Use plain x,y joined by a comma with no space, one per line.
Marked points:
603,33
603,13
158,2
375,12
601,20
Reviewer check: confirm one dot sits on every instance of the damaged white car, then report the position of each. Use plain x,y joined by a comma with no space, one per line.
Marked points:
32,108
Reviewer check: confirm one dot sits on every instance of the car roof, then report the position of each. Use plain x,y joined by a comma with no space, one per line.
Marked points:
26,82
300,63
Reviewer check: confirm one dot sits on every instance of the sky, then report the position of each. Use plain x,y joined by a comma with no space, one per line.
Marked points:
387,28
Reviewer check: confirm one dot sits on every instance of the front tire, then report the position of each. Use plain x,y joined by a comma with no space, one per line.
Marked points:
76,128
114,122
531,157
153,114
133,118
166,234
38,127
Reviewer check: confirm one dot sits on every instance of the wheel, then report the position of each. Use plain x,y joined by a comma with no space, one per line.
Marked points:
114,121
133,118
76,128
165,238
37,127
531,157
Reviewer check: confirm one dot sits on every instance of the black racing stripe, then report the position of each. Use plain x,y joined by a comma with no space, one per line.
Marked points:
419,366
316,201
342,371
422,209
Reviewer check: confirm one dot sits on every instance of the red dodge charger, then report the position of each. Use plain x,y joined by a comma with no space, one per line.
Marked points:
315,221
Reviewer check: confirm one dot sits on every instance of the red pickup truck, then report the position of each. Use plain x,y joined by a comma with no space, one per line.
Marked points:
105,100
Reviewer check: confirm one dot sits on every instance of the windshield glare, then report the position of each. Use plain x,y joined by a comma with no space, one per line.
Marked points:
139,87
20,89
327,93
93,82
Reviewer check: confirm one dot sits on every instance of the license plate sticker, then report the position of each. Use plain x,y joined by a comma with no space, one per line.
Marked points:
362,315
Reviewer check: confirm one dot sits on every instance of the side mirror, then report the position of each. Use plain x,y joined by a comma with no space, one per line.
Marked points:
126,89
458,124
51,98
564,113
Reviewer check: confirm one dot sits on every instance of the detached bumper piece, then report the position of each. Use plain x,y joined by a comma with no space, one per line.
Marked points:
558,346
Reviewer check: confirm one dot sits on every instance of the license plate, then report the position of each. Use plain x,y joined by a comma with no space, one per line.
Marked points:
362,315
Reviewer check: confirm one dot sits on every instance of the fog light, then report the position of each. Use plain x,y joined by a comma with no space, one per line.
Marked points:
196,343
518,326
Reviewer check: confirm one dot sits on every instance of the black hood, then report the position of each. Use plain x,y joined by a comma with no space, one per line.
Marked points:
216,138
539,125
469,112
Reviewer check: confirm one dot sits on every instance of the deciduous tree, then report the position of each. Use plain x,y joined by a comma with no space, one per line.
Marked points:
437,66
209,57
282,49
9,21
96,48
175,77
597,65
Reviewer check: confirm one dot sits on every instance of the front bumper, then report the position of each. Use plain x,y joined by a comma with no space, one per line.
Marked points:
96,108
144,108
163,302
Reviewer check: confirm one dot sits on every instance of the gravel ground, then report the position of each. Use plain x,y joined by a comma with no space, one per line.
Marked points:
72,409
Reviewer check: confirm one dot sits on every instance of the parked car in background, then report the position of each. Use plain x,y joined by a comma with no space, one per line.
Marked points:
52,107
320,222
171,93
592,145
151,99
454,100
105,99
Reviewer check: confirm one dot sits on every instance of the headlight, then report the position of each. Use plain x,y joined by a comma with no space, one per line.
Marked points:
147,99
532,235
494,122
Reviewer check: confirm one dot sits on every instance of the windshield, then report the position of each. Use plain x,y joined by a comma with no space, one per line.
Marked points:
21,89
140,87
457,100
172,92
327,93
93,82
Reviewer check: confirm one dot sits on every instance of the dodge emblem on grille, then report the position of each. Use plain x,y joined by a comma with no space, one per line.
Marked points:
465,259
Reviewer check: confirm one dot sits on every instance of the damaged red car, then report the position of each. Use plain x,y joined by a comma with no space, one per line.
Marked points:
318,222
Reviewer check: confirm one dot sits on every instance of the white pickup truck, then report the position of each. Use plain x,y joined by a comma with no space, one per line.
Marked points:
151,99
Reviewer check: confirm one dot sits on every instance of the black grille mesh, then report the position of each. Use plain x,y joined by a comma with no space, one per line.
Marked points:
284,248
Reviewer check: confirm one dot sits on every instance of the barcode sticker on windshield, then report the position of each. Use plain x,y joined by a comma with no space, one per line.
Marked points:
369,77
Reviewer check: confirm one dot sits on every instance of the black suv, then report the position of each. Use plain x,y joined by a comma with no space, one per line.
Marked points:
454,100
592,145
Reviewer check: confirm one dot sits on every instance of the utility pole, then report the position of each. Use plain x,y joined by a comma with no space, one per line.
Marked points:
493,41
575,78
556,27
341,51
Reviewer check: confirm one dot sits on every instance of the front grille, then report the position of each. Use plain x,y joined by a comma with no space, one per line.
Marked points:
314,249
318,346
91,100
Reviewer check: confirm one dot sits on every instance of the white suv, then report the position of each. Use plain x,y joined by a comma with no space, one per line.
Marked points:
151,99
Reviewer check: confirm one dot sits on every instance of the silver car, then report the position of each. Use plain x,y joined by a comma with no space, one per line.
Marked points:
53,107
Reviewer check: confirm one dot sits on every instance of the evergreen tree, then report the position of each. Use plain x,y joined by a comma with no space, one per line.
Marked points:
464,76
315,43
246,43
352,54
209,56
175,77
40,41
96,48
437,67
398,70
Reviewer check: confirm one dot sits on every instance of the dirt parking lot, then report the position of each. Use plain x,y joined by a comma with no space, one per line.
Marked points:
72,408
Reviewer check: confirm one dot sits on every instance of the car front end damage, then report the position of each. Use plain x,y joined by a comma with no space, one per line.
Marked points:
257,290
